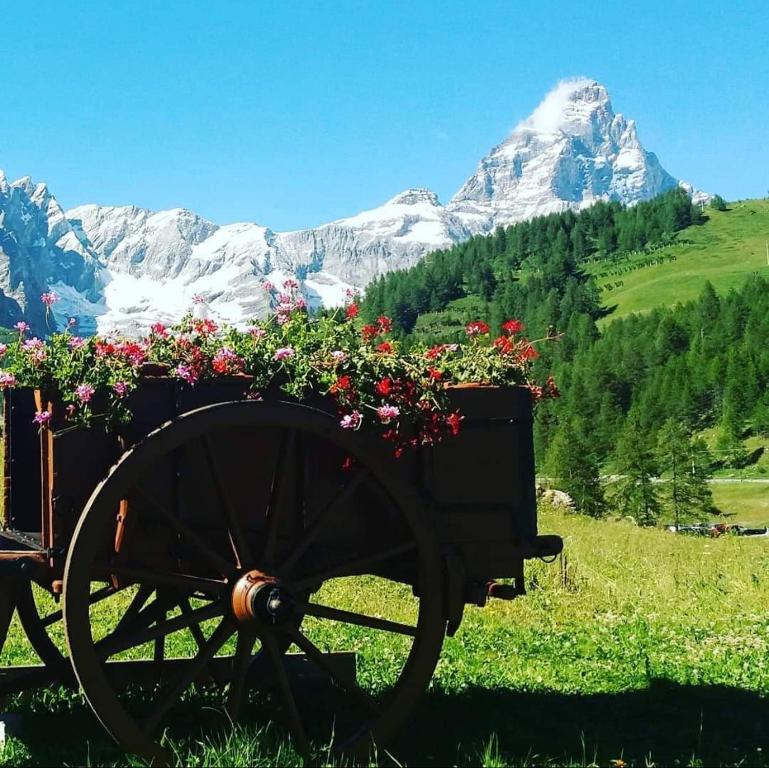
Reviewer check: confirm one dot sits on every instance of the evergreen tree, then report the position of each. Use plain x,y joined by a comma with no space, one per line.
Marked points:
685,461
574,469
635,494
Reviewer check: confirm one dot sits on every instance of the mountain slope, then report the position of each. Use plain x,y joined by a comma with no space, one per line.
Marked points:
122,267
728,247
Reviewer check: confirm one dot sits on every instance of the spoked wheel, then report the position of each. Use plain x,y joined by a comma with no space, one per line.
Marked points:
42,621
238,531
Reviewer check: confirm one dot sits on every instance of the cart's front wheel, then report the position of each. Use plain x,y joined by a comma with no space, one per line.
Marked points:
234,533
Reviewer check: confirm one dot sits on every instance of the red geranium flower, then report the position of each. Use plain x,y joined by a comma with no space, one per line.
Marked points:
453,422
342,384
384,386
477,328
352,311
369,332
385,324
512,326
385,348
504,345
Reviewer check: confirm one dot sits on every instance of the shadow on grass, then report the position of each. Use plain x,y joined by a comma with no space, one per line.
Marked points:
668,722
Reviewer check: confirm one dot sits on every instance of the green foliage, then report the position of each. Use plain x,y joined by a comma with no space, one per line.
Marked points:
634,493
686,463
718,203
574,469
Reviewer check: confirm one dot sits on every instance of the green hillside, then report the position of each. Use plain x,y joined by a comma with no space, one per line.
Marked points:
728,246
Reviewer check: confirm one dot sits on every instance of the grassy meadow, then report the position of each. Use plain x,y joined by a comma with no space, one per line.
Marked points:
725,249
635,645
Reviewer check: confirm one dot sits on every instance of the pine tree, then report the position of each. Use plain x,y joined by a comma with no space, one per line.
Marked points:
574,469
686,463
635,494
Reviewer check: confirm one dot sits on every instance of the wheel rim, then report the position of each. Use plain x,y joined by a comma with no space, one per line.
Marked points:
259,597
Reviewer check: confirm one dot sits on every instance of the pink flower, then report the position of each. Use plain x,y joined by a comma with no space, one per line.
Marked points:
3,349
120,388
42,418
268,286
21,327
257,333
76,342
71,322
84,392
290,284
49,298
198,298
158,329
31,345
186,373
351,293
351,420
339,356
7,380
71,410
284,353
387,413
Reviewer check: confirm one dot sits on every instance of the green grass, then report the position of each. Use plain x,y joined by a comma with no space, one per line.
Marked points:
743,502
725,249
636,644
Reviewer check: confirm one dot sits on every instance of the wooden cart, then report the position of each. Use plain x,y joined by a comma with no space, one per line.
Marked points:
207,542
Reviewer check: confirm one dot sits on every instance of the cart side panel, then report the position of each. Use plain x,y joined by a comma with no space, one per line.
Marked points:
22,491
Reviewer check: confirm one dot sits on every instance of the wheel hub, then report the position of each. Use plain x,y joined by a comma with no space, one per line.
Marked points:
261,598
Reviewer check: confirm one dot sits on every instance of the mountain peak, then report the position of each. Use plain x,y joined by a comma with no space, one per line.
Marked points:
414,196
572,101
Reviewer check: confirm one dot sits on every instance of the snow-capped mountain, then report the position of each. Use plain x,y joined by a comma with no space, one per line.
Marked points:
125,267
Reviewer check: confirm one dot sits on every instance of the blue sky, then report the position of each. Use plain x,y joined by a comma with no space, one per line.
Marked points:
292,114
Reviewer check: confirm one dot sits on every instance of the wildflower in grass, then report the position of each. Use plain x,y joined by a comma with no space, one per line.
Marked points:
476,328
387,413
21,327
120,388
42,418
284,353
351,420
7,380
84,392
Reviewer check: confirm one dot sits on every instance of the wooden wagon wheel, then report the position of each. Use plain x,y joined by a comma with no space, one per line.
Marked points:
257,586
39,621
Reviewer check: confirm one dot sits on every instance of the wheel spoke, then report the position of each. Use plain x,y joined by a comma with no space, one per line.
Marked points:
135,607
311,533
317,656
352,567
240,666
274,509
178,581
191,671
214,559
237,537
284,686
359,619
197,633
95,597
113,643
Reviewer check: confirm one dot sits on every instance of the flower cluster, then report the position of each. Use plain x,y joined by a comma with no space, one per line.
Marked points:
359,368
